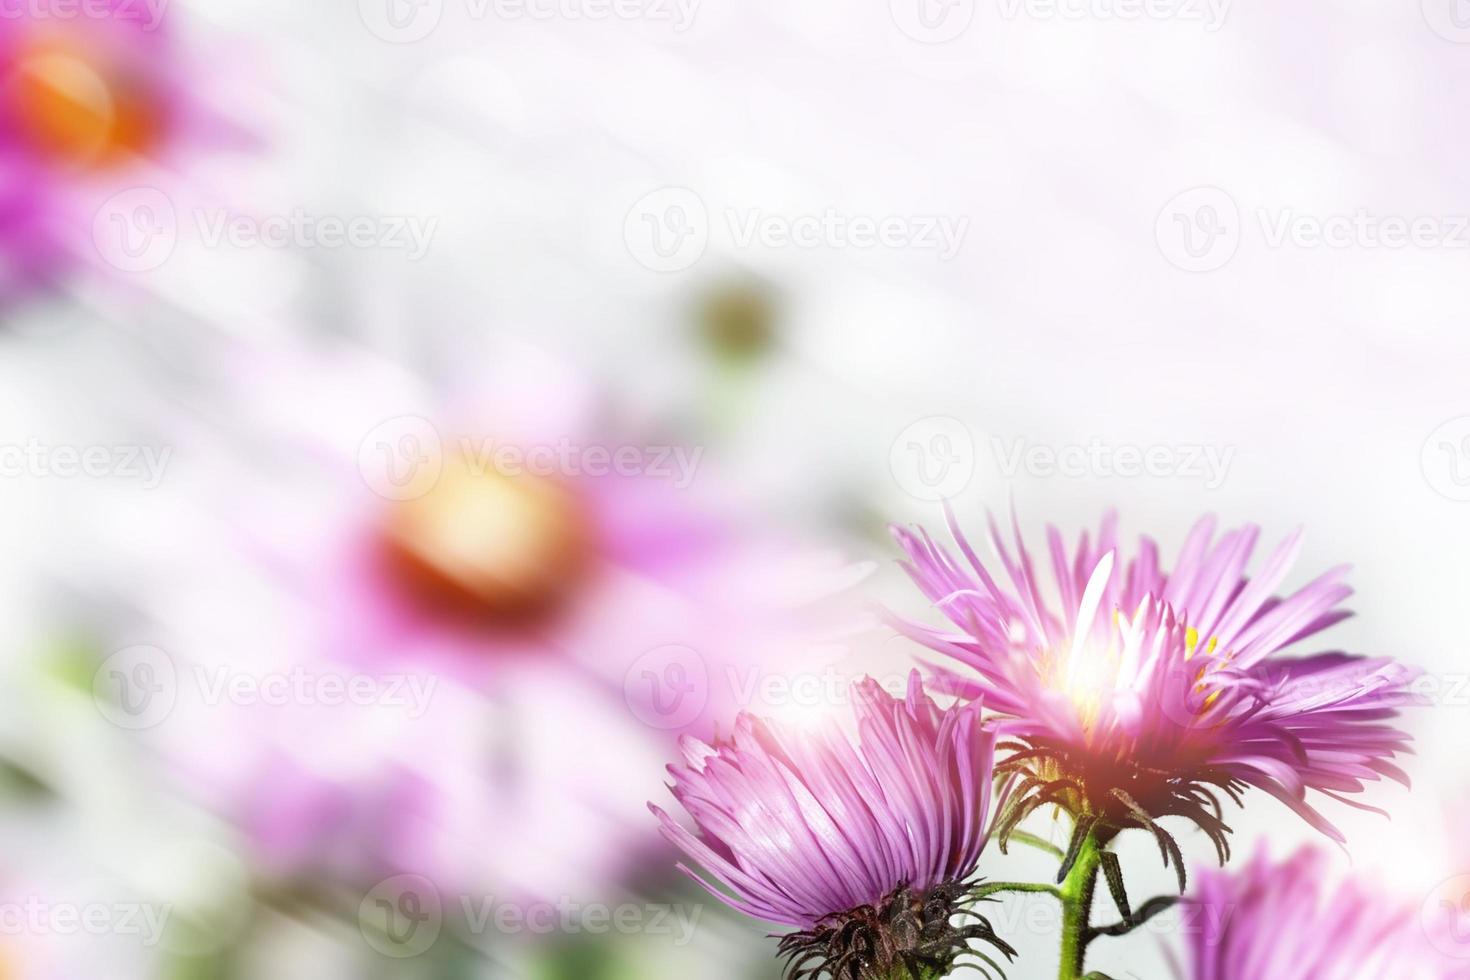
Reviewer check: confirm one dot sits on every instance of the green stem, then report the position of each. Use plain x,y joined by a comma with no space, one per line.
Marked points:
1040,843
997,887
1076,895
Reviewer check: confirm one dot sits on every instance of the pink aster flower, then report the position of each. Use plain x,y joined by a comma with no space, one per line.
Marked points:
866,849
1292,921
1134,692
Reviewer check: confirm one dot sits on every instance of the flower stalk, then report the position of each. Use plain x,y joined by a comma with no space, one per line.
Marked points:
1076,894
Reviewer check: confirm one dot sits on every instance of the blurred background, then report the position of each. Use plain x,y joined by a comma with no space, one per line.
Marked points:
416,415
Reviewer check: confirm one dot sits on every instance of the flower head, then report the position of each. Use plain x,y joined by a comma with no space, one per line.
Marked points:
523,600
92,106
865,849
1291,921
86,94
1137,692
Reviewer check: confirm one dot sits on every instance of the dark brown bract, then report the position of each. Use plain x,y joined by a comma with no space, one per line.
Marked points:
910,936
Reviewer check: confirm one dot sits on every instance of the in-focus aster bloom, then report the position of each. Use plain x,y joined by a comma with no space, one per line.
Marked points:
1137,692
867,850
1293,920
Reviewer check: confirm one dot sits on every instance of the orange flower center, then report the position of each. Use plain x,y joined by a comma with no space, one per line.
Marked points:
82,111
487,545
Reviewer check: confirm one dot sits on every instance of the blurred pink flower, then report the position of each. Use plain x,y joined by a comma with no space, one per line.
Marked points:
528,605
95,99
1292,921
484,564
